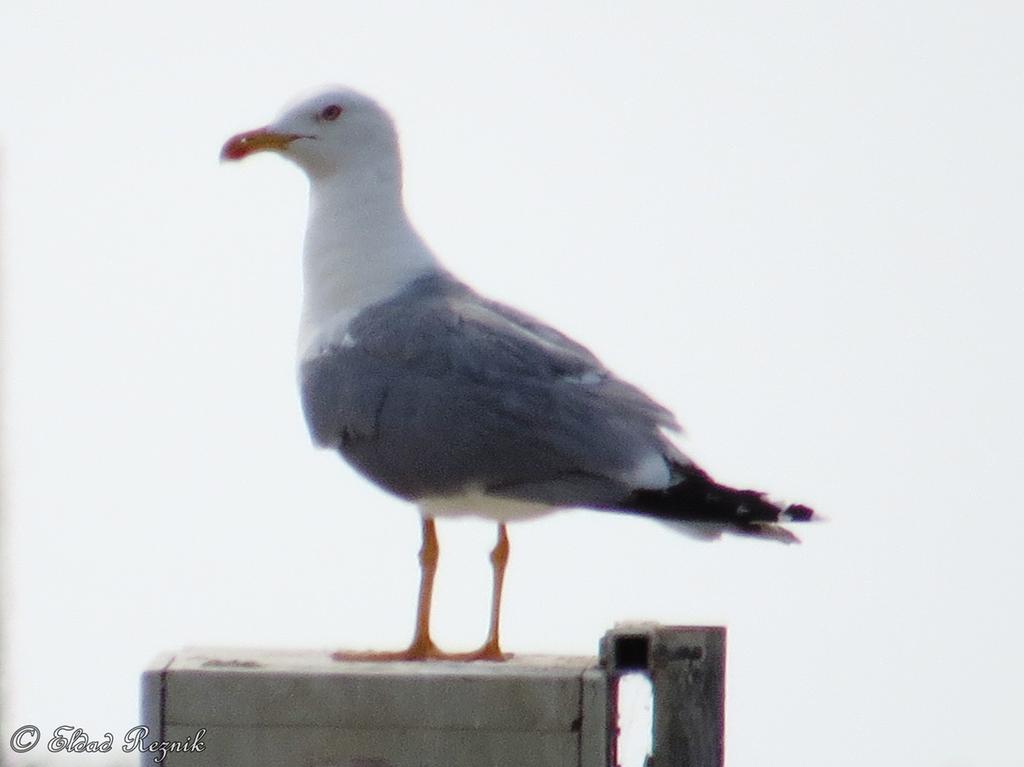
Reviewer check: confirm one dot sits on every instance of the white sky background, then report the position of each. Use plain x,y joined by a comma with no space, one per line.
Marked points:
798,226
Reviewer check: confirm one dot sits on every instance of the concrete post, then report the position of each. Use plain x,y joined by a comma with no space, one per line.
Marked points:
235,708
307,710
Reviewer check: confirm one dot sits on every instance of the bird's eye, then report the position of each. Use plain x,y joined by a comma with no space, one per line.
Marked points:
330,113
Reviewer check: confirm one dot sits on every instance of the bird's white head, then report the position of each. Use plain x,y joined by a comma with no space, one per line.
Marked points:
360,247
336,131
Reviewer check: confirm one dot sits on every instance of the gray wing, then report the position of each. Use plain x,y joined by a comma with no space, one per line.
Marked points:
439,389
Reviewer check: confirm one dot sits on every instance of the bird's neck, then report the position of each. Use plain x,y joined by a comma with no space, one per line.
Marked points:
360,249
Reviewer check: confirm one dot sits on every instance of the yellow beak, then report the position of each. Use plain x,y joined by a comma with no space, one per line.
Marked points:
259,140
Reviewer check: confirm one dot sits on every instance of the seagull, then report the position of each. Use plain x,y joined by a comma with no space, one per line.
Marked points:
450,400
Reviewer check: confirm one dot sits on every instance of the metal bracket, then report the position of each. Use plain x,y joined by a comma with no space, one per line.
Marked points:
686,666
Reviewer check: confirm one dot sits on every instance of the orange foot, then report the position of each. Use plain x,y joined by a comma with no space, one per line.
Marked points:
423,651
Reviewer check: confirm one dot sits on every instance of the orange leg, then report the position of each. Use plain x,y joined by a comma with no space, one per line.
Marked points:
422,646
491,649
